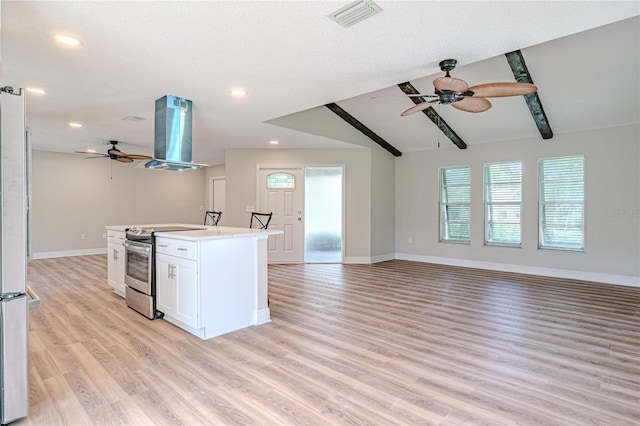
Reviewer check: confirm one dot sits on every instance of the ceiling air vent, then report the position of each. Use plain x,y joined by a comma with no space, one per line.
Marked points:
355,12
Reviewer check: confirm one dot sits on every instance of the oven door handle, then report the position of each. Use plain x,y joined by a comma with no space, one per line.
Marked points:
137,248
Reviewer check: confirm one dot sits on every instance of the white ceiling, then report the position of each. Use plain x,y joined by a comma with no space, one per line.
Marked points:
293,59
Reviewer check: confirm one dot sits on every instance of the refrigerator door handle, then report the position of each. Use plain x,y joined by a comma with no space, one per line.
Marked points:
9,296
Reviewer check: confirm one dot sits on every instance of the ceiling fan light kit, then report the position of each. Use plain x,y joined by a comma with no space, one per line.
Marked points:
457,93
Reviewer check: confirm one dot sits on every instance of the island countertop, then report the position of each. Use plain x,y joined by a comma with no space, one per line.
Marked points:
219,232
201,232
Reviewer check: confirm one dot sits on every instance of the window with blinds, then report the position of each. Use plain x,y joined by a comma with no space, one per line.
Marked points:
503,203
561,203
455,202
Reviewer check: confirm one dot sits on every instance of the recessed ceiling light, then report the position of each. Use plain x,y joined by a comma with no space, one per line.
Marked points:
239,92
273,142
75,124
68,40
36,90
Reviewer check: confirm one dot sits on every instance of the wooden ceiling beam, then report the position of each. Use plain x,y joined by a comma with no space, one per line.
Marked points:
362,128
433,115
521,73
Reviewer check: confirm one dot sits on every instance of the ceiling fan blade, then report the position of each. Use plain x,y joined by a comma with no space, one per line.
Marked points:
472,104
139,157
417,95
419,107
115,151
92,154
450,83
421,96
124,159
497,90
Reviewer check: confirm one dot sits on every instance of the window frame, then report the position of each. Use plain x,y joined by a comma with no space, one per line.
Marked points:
542,204
488,219
442,222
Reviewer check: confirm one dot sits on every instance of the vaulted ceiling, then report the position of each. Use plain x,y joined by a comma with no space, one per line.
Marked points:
293,60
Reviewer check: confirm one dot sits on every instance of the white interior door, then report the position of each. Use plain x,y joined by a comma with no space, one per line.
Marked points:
282,192
218,188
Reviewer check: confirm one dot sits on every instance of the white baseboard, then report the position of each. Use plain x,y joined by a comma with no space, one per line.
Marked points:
626,280
263,316
68,253
383,257
357,260
368,260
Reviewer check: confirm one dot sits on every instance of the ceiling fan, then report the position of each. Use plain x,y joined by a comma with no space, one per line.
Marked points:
457,93
115,154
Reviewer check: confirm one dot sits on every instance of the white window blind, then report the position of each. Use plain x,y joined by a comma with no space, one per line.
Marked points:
455,202
561,203
503,203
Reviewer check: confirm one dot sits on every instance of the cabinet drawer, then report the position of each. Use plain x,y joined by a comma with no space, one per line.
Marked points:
179,248
116,237
115,245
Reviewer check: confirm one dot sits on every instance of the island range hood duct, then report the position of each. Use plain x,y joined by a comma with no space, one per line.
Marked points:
172,142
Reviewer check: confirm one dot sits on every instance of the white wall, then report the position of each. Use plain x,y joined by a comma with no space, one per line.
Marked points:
240,172
73,196
612,203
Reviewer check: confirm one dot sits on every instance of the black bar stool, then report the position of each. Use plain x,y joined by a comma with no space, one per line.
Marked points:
261,220
213,217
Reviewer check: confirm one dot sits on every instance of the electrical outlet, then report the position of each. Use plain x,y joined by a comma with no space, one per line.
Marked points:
104,236
410,240
83,236
201,208
250,209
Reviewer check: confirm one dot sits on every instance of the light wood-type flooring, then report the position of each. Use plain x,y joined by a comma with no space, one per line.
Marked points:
396,342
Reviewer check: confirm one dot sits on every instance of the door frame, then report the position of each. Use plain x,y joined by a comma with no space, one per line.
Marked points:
260,166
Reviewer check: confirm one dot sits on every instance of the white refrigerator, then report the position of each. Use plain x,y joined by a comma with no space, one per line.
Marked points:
14,303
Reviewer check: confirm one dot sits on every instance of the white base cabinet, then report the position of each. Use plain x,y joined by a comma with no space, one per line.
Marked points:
115,261
209,287
177,290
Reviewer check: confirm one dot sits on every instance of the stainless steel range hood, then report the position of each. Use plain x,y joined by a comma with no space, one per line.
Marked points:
172,144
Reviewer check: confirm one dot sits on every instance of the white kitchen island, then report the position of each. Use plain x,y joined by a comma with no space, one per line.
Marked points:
212,281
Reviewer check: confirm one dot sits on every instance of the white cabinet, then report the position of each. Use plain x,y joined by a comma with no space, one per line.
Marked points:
208,287
177,286
177,289
115,261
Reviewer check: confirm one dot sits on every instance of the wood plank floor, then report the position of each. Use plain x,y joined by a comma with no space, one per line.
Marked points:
396,342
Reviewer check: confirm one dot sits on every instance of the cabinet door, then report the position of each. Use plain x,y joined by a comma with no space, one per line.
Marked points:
112,265
119,269
187,292
165,285
115,267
